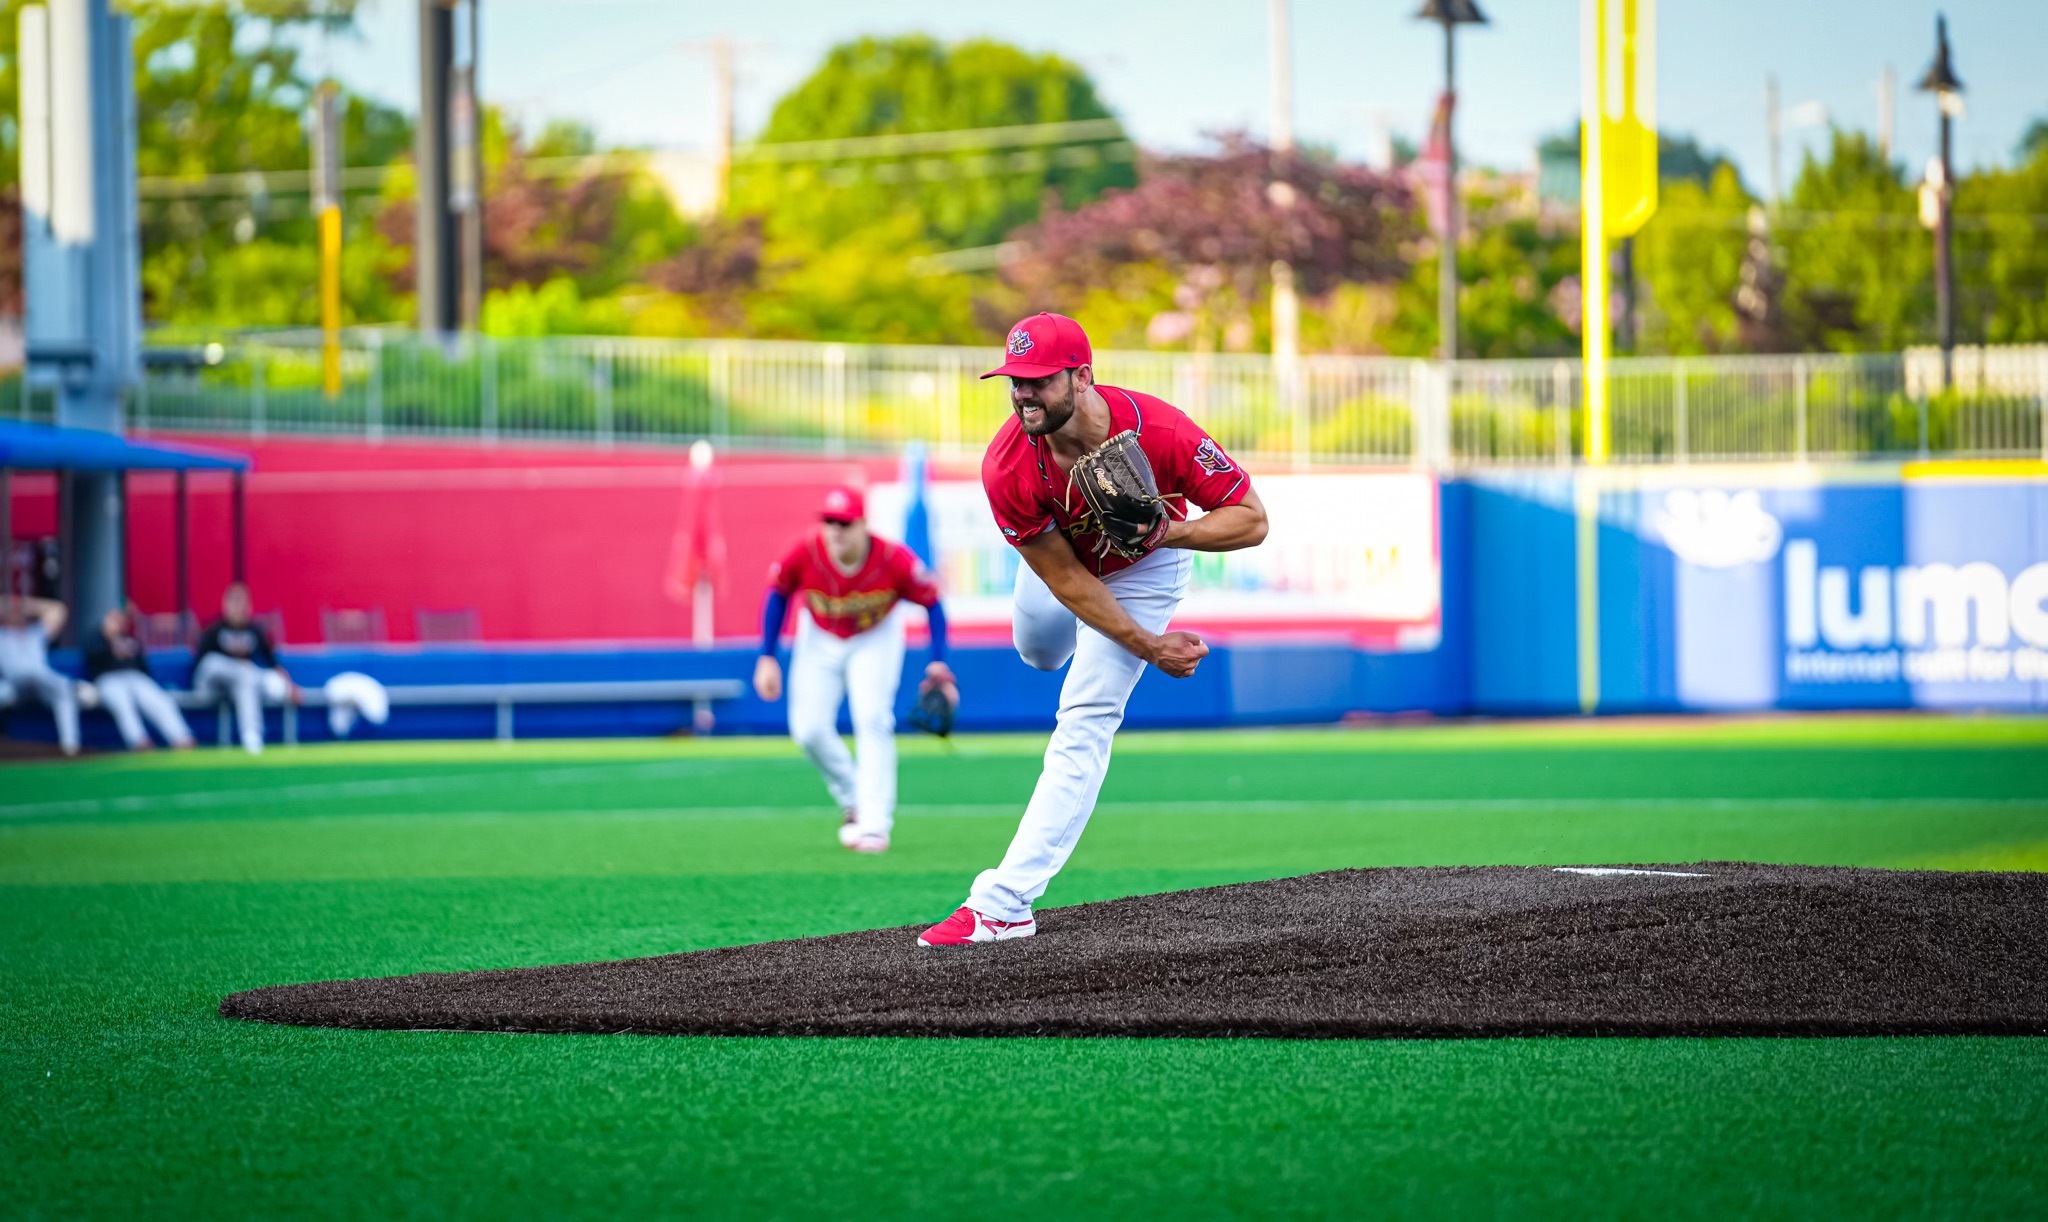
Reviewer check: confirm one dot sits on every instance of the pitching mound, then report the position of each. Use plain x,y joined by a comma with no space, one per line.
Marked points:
1709,949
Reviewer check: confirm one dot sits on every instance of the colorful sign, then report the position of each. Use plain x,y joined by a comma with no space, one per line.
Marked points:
1356,554
1929,592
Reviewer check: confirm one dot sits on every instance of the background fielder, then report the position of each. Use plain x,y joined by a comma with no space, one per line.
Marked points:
1079,597
847,583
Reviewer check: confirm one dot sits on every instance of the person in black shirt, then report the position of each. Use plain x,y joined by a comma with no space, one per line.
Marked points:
118,665
236,661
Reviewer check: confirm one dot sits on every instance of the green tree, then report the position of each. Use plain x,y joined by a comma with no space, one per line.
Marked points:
1689,260
2002,250
219,90
553,209
1215,224
1515,272
964,198
1859,270
862,290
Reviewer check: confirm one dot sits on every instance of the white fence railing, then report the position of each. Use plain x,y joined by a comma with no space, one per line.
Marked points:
1316,411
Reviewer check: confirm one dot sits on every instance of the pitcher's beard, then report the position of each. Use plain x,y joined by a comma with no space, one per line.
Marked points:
1051,417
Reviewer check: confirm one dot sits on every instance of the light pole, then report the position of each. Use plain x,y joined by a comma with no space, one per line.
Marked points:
1450,14
1947,88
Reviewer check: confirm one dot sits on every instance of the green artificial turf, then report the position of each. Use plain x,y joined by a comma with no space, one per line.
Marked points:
135,892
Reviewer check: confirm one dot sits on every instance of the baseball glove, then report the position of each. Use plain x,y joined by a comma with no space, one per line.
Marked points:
938,699
934,713
1116,480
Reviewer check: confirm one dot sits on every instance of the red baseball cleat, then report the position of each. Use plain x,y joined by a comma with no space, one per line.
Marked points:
967,926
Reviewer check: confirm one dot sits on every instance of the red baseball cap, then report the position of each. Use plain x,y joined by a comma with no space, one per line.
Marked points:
844,504
1043,344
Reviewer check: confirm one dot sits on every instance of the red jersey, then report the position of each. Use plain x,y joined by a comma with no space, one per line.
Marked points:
843,603
1029,493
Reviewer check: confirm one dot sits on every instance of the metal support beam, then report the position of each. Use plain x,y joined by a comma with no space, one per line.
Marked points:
6,531
80,254
67,541
434,238
182,527
241,527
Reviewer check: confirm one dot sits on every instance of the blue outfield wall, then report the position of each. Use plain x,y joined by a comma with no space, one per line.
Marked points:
1717,589
1753,588
1243,683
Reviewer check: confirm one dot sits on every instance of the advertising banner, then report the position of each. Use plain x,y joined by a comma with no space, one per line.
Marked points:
1927,590
1352,554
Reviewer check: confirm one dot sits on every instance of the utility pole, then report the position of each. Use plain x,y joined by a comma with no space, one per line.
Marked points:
1771,123
1887,104
1286,304
1947,88
724,54
722,107
434,239
466,168
1450,14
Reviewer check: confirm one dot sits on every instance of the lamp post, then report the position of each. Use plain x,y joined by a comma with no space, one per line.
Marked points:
1450,14
1947,88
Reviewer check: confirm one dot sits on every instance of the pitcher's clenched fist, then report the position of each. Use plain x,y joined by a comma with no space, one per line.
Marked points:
1178,653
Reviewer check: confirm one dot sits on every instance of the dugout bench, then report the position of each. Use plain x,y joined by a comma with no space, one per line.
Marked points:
504,697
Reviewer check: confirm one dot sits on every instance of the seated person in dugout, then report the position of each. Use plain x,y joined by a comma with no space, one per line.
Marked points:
27,626
236,661
118,666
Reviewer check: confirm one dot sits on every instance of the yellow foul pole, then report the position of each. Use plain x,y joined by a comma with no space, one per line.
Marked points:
1617,193
1593,326
327,216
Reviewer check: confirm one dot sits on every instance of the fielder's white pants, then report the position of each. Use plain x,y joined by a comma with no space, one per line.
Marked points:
130,696
54,690
244,684
1091,708
864,670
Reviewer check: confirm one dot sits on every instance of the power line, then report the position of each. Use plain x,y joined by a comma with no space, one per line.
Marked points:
1061,147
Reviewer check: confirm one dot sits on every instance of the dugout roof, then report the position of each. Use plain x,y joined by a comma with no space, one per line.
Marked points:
50,447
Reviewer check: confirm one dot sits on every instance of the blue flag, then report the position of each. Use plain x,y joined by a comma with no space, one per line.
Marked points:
917,519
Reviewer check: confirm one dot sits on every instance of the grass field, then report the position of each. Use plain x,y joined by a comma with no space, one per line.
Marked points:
135,892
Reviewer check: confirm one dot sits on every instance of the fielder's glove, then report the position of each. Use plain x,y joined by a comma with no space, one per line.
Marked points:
1116,480
938,698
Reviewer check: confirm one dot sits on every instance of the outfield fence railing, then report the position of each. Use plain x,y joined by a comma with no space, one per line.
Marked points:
1314,411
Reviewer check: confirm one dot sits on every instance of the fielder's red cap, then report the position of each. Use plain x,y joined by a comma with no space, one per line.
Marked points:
1043,344
844,504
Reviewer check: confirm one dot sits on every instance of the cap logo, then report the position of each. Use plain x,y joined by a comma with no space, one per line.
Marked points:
1020,342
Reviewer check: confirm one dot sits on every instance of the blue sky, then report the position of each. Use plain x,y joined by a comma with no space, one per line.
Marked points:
1174,69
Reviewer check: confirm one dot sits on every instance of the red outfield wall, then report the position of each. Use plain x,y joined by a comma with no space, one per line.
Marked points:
545,543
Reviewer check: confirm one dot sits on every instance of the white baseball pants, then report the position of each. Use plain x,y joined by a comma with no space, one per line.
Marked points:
57,692
246,685
130,696
1091,708
864,670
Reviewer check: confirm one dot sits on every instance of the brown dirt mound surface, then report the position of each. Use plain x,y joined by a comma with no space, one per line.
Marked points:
1482,951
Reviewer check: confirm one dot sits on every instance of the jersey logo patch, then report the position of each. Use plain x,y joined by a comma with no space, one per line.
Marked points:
1211,458
1020,342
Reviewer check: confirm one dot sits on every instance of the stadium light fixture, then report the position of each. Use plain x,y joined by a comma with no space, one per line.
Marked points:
1450,14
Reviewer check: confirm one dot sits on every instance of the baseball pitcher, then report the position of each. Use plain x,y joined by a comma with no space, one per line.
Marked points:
1093,485
849,646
